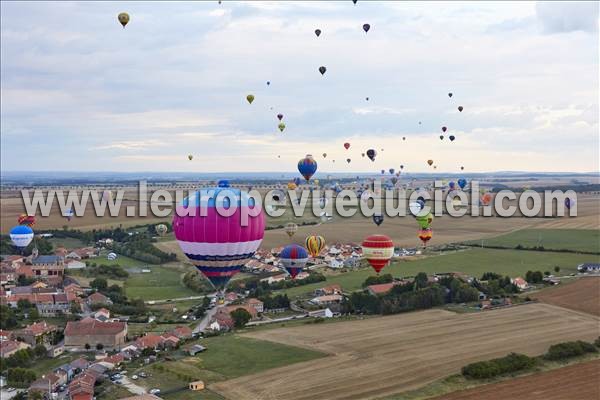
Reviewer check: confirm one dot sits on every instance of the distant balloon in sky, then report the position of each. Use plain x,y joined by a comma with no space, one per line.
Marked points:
25,219
281,126
430,162
318,32
346,146
291,229
354,1
324,155
460,108
378,219
322,70
441,137
462,182
392,170
403,137
250,98
280,116
366,27
348,160
371,153
366,98
123,19
569,203
268,83
69,214
190,157
362,154
450,94
161,229
451,137
462,168
444,129
402,167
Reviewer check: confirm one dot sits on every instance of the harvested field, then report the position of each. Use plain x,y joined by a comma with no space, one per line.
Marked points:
382,356
581,295
579,381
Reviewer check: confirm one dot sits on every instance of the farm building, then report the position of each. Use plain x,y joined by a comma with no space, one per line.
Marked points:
196,385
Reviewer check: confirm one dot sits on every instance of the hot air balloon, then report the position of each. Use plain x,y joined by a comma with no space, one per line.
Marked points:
402,167
383,172
318,32
324,155
462,183
444,129
569,203
21,236
371,153
293,258
441,137
425,221
315,244
123,19
430,162
449,94
322,70
451,137
425,235
403,137
161,229
316,182
460,108
250,98
394,180
462,168
307,167
378,219
190,157
291,228
25,219
366,27
280,116
68,214
486,199
348,160
219,246
354,1
362,154
391,171
346,145
292,186
268,83
297,181
451,185
416,207
281,126
366,98
378,249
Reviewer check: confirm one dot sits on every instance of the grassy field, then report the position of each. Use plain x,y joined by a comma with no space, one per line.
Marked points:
383,356
164,282
121,260
47,364
68,243
227,357
473,261
587,240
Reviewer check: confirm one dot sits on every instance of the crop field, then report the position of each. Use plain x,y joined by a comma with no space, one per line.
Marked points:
579,381
587,240
580,295
472,261
381,356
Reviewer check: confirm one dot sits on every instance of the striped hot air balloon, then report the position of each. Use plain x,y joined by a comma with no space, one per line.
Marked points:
315,244
219,245
21,236
425,235
291,228
378,249
307,167
294,258
25,219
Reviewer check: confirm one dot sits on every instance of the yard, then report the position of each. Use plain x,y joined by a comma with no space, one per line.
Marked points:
164,282
473,261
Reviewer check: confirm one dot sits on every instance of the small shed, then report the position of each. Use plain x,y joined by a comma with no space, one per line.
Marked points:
196,385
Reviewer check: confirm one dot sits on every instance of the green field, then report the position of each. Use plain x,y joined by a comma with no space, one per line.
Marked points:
473,262
67,243
164,282
586,240
123,261
227,357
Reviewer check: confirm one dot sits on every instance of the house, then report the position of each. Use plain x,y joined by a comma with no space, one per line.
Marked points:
256,304
325,313
326,300
274,279
115,360
50,305
74,264
102,315
5,335
55,351
10,347
520,283
231,296
37,333
82,387
195,349
80,364
182,332
170,341
98,298
49,268
381,288
149,341
92,332
221,320
588,267
253,313
327,290
49,381
196,385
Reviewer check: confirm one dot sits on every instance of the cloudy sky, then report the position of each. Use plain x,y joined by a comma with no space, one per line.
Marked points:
79,93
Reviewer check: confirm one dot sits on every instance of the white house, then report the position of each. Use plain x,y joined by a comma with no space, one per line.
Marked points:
74,264
325,313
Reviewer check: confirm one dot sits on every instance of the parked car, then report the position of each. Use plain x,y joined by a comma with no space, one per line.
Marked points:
154,391
134,377
143,374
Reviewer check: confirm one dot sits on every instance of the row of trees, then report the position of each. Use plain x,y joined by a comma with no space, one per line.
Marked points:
499,366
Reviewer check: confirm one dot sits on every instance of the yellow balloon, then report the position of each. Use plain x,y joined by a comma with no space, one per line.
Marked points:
123,19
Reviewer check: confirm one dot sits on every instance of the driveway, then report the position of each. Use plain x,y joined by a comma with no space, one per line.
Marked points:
132,387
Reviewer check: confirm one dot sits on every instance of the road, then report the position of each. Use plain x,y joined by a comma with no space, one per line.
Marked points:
201,327
151,302
132,387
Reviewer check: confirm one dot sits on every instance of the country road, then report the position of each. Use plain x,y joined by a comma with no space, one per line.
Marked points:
152,302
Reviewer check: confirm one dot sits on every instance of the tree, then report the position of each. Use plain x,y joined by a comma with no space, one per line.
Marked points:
99,283
87,346
8,319
421,280
557,269
75,308
40,350
24,305
240,317
34,314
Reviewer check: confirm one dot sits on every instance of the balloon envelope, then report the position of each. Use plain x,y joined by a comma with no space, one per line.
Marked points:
371,153
219,245
123,19
378,249
21,236
314,244
250,98
366,27
161,229
462,183
322,70
378,219
293,258
307,167
290,229
25,219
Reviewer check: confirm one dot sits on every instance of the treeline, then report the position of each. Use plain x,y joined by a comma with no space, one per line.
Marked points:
519,362
258,288
274,302
493,284
42,244
303,223
122,305
531,248
140,247
195,281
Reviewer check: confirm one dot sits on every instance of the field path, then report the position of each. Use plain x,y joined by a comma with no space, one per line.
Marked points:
378,357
